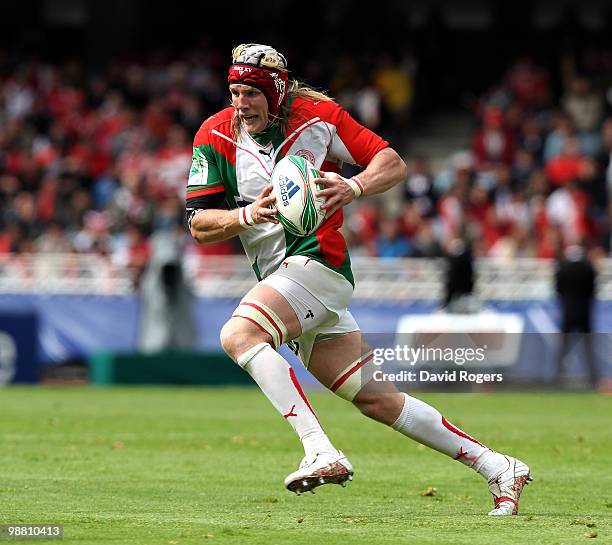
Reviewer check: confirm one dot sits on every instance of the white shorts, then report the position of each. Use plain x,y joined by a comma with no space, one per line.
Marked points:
319,297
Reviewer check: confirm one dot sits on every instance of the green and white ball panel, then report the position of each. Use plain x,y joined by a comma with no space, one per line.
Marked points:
299,210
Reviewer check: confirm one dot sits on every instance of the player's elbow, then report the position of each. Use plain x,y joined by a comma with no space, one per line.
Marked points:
198,228
395,166
400,168
200,235
197,235
404,170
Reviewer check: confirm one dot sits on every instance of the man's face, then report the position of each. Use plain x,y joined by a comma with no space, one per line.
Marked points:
251,105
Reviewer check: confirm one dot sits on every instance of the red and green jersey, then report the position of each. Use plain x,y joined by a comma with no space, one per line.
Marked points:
320,131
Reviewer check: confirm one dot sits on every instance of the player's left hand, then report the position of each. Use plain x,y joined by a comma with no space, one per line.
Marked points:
337,192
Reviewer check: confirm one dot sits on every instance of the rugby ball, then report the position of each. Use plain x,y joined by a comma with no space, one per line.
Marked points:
299,210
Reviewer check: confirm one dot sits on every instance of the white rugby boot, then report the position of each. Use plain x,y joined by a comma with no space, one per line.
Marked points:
324,468
506,488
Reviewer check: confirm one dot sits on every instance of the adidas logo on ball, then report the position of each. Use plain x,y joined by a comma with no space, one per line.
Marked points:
299,209
287,189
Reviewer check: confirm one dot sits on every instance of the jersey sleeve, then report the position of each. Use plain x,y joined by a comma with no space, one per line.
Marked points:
351,142
205,187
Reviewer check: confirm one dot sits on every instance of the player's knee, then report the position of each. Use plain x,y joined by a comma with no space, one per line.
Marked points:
236,337
227,336
250,324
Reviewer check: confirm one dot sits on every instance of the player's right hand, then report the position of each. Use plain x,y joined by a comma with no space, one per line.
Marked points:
263,210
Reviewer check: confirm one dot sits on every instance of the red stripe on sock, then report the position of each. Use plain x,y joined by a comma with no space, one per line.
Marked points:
258,325
301,392
458,432
346,375
274,325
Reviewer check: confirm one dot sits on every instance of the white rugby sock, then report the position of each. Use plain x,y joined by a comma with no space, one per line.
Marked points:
424,424
278,382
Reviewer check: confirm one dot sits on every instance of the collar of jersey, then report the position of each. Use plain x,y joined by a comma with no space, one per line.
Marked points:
268,136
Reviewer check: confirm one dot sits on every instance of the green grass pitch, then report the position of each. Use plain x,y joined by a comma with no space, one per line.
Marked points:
198,466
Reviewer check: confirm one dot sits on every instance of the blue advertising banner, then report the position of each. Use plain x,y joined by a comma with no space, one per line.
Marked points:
79,326
18,347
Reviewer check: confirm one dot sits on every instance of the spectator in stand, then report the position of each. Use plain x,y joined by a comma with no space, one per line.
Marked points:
493,142
492,231
570,165
156,119
367,105
529,83
451,207
133,252
94,237
103,190
419,187
477,209
514,243
585,108
561,130
9,187
583,105
543,232
460,166
531,139
362,98
548,244
52,240
602,188
514,117
80,205
523,167
47,195
362,226
567,208
11,238
410,221
23,213
396,86
169,164
512,209
425,242
390,243
191,113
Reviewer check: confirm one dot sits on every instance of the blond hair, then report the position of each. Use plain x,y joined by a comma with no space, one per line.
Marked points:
297,89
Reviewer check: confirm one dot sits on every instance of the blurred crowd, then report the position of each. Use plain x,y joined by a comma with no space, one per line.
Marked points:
536,178
95,160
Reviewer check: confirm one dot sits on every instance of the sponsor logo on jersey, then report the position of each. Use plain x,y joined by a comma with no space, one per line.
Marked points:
306,154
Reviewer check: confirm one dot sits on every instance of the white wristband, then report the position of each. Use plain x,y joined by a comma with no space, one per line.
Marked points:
244,216
356,185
